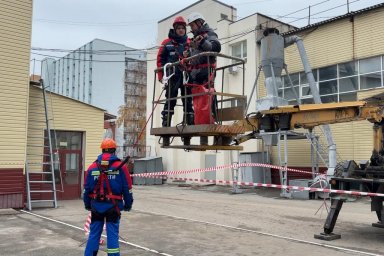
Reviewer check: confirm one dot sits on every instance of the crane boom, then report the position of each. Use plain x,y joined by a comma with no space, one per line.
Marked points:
311,115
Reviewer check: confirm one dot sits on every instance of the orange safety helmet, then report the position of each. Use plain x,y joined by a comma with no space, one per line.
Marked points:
108,143
179,20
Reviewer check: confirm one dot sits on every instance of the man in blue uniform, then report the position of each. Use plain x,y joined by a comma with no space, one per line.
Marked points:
107,191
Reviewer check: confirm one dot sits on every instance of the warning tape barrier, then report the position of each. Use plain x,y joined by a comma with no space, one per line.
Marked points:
222,167
226,182
310,189
87,227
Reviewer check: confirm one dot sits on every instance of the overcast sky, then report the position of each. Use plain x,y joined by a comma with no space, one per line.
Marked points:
69,24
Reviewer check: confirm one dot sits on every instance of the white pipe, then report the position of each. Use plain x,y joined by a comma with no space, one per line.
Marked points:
316,97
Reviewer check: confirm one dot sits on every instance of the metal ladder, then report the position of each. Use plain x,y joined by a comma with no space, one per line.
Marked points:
45,185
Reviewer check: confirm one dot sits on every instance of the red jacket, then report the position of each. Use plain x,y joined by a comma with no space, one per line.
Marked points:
171,50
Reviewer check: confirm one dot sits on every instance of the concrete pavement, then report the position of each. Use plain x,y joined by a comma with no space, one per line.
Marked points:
171,220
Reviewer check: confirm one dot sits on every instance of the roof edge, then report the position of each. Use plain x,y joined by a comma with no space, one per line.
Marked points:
189,6
340,17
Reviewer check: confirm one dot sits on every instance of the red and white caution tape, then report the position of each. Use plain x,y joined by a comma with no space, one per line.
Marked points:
222,167
87,228
252,184
311,189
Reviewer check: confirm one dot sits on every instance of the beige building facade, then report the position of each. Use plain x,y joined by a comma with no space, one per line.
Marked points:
15,43
77,130
239,38
346,56
345,53
23,120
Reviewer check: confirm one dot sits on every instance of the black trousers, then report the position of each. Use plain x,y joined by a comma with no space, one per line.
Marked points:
171,91
112,215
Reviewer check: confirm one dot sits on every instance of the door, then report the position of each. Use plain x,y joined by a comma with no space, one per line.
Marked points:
68,148
71,169
246,171
210,161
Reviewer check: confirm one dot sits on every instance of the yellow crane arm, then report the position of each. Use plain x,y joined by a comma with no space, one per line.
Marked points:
311,115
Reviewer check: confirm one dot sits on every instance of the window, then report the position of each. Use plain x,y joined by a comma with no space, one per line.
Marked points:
303,78
239,49
337,83
307,101
294,78
371,80
370,73
305,91
348,69
328,87
289,94
370,65
348,84
352,96
328,73
223,16
329,99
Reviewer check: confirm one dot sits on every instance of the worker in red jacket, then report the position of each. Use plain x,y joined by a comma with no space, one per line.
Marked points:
107,191
172,50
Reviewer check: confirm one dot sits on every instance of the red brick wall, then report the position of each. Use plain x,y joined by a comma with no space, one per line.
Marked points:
12,188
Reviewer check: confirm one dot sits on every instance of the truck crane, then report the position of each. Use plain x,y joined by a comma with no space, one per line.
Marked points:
235,126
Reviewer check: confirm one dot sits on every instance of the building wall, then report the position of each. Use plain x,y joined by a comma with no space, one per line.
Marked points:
95,74
175,159
229,34
87,73
337,42
67,115
15,43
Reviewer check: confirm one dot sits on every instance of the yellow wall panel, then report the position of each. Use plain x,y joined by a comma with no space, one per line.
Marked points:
337,42
67,115
369,34
16,20
325,45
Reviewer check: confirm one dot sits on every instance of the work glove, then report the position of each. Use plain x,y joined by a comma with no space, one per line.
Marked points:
127,207
128,202
87,207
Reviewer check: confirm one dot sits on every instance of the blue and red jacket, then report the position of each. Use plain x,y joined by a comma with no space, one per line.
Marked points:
120,184
171,50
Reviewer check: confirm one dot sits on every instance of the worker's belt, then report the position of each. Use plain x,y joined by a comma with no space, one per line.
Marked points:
204,65
187,67
104,197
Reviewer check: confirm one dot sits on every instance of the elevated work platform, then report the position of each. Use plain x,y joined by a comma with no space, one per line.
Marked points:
223,136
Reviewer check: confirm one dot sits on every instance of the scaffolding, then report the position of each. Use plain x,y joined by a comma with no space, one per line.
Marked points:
133,114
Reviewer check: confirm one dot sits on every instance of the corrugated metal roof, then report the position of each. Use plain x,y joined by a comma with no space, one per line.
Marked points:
344,16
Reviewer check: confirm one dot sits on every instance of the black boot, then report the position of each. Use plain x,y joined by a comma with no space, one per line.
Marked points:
189,119
166,120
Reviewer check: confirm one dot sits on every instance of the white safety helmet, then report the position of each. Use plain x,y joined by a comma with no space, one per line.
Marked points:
195,16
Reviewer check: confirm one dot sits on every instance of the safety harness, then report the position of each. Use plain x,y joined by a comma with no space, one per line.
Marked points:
99,192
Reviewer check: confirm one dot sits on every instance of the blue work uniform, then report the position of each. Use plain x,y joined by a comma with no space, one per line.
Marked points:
107,191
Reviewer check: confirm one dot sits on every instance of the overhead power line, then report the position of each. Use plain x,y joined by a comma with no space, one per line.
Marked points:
231,38
92,60
96,24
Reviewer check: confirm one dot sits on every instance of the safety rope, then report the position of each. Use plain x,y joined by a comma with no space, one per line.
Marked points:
149,118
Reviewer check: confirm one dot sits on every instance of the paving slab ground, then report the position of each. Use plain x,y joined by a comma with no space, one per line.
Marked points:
199,220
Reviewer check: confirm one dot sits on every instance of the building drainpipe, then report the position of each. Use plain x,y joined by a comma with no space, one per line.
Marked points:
316,97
